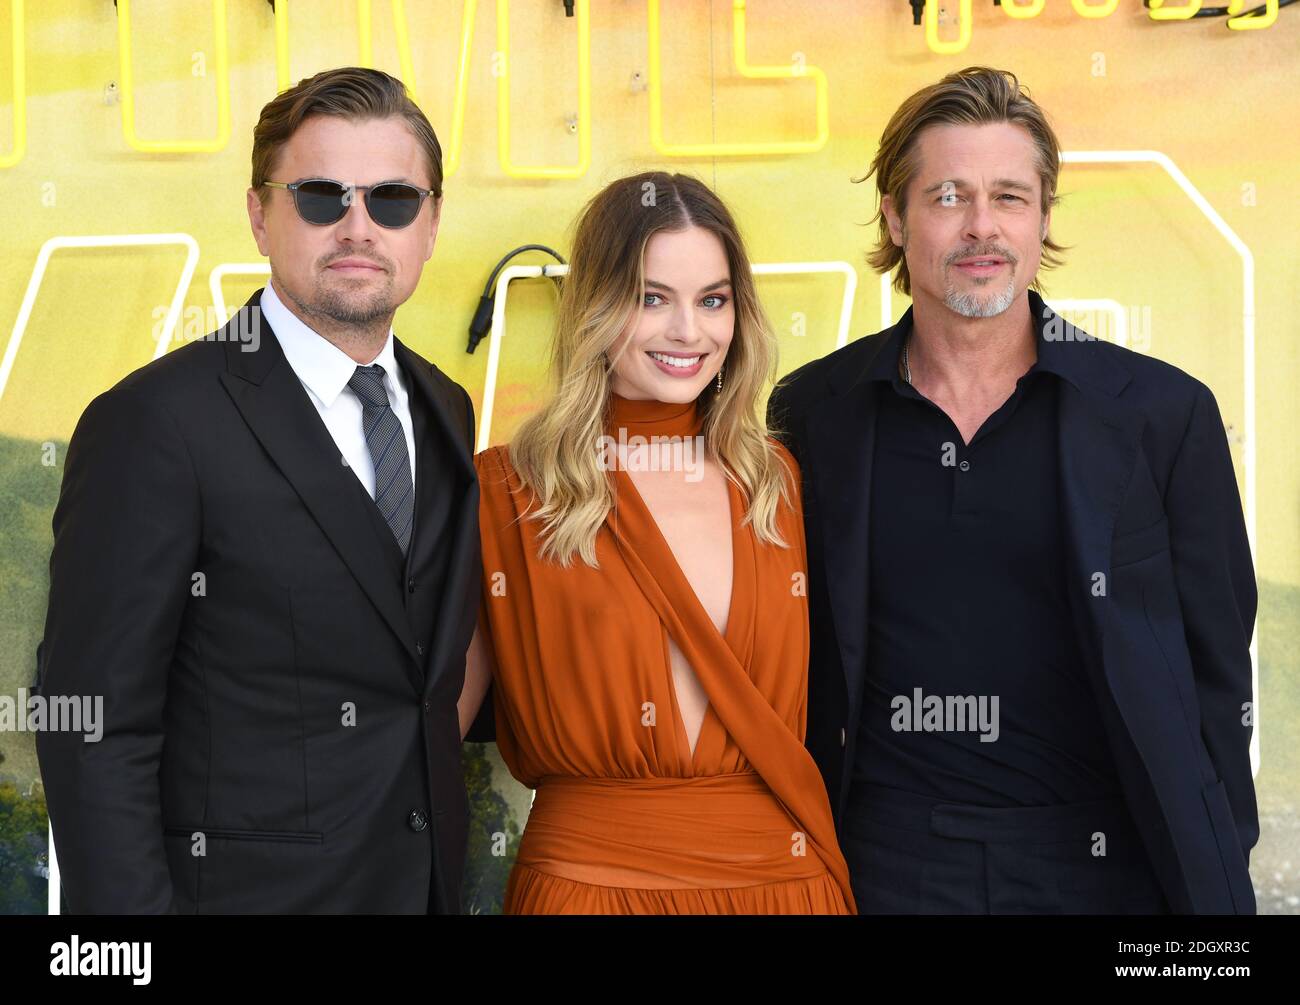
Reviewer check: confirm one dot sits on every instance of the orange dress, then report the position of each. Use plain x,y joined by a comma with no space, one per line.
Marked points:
625,820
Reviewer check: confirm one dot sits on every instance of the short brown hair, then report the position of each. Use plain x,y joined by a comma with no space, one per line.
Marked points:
349,92
977,95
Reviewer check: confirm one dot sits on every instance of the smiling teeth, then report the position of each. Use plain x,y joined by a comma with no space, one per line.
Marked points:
682,363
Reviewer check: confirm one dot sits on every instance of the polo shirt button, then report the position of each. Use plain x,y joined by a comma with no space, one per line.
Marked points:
842,736
964,465
419,648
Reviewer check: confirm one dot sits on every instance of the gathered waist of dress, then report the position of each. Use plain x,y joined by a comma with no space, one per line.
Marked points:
706,831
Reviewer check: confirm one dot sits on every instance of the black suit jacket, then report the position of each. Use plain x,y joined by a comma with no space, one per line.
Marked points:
1152,505
279,682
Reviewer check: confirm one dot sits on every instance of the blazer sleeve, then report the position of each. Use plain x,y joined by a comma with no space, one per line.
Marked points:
127,528
469,420
1215,578
483,728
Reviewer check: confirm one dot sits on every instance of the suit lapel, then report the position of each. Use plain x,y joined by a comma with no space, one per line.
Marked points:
462,522
1097,446
445,426
841,438
278,410
841,441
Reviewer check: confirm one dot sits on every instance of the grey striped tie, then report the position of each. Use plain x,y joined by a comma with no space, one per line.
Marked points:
394,493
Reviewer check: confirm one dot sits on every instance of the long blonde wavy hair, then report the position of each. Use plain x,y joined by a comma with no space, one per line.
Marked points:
555,451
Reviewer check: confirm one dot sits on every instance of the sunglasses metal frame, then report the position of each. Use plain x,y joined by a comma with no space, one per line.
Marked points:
349,197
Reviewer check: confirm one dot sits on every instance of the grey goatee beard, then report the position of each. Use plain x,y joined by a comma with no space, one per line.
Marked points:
975,305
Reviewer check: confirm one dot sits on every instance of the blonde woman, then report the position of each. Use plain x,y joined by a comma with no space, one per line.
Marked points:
644,618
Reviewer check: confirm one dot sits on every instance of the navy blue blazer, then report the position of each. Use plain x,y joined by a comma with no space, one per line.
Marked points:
1151,504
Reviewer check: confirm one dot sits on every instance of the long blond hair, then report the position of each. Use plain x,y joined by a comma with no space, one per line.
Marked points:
554,451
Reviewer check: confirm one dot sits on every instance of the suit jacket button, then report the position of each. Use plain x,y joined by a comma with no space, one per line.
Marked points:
417,821
419,648
410,586
428,705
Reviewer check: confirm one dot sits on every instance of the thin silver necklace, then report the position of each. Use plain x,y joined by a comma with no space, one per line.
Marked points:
907,367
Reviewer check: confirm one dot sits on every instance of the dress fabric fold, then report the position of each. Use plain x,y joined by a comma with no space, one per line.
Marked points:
626,819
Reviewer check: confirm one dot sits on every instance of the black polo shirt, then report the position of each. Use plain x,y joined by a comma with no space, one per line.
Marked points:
968,602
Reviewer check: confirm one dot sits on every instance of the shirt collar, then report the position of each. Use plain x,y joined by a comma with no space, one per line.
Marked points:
885,365
318,362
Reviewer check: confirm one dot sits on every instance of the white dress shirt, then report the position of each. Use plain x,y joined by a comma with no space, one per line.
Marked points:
324,370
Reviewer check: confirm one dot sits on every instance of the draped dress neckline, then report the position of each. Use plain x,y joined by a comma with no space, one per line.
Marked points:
736,705
635,529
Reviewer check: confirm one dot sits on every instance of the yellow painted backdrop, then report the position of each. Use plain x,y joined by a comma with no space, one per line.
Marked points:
1220,105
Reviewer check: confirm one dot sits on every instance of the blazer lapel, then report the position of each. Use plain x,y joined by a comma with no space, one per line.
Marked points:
447,427
278,410
841,438
1097,446
458,591
1099,441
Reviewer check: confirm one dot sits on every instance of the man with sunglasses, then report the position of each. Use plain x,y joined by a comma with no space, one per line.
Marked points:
266,562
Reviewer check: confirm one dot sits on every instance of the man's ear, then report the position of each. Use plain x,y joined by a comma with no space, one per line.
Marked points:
257,222
893,219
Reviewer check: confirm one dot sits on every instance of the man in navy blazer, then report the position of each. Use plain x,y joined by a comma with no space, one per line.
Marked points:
1031,589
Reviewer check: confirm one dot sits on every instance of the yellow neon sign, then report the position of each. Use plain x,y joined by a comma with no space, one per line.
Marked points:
468,10
128,89
1249,22
1023,10
584,99
366,58
1159,12
743,66
947,47
365,44
20,87
1013,9
1084,9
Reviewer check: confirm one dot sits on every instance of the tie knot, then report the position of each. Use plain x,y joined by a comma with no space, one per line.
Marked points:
368,383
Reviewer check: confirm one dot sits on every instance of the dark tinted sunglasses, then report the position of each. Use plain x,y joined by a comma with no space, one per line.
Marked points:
323,201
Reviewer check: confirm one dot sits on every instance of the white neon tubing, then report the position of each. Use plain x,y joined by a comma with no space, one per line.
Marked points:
220,272
1103,305
101,241
1248,363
